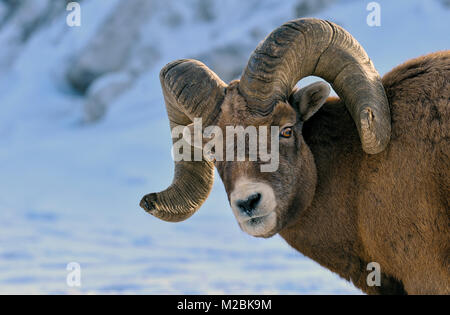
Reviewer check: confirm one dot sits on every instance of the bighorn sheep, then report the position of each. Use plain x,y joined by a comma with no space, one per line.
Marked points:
341,205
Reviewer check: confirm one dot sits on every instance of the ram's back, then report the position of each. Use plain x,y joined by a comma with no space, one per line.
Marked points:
419,94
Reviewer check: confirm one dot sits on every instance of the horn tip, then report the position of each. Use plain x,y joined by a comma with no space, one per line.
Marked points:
148,203
375,134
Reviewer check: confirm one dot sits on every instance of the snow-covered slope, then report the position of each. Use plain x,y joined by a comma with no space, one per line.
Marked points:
71,180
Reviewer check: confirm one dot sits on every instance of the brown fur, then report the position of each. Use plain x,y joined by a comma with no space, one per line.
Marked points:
344,208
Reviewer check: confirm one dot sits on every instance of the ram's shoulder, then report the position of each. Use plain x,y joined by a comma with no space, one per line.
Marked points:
419,71
419,96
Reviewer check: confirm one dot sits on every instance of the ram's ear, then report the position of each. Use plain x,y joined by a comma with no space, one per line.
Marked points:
309,99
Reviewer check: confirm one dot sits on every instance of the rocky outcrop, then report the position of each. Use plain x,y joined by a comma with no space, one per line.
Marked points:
110,48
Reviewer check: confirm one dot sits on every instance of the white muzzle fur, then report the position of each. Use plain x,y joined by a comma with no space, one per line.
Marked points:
254,204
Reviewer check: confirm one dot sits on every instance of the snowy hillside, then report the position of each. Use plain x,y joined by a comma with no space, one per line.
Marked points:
84,135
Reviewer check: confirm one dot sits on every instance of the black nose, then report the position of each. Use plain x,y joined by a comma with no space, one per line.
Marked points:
250,204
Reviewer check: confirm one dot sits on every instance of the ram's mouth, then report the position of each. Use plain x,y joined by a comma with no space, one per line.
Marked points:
261,226
255,221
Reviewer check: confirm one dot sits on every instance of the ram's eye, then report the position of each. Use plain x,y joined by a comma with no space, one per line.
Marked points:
286,132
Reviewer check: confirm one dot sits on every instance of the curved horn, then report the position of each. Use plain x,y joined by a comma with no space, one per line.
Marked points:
190,90
306,47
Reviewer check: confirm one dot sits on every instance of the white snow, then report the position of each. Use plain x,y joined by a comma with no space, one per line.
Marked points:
70,190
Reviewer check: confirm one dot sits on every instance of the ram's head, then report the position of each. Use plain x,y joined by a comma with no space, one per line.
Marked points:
266,201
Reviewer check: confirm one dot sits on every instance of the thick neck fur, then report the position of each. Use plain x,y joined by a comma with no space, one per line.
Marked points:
327,231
